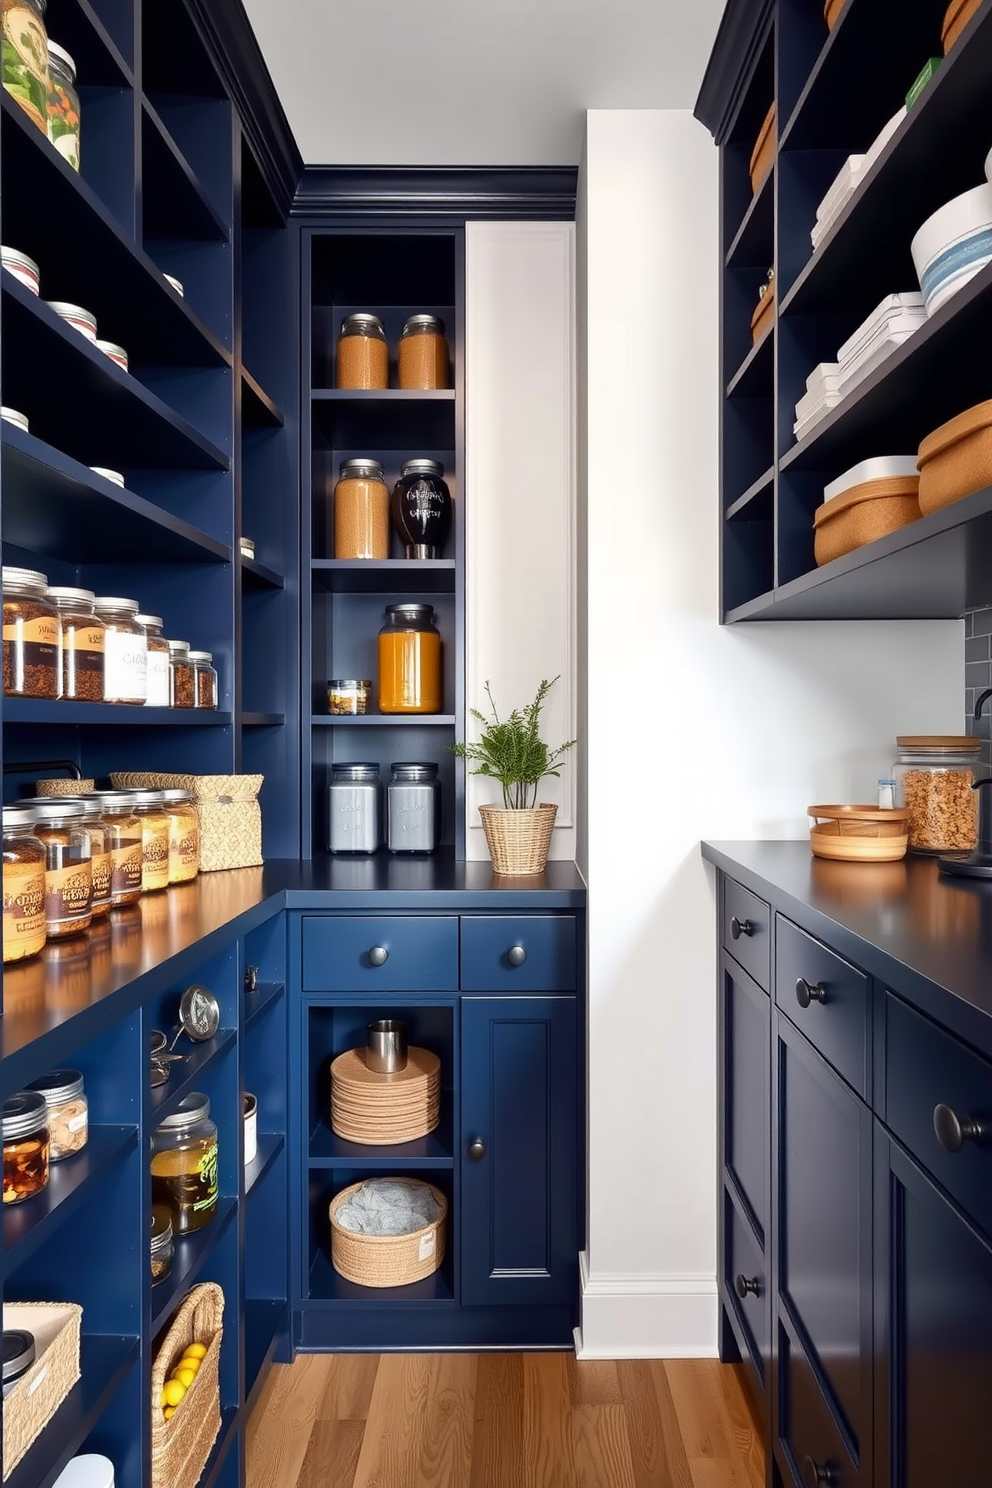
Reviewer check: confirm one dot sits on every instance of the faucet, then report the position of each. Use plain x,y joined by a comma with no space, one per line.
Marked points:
980,702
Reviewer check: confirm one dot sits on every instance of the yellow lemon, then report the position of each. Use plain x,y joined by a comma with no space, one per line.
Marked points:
170,1410
197,1350
185,1377
172,1392
188,1362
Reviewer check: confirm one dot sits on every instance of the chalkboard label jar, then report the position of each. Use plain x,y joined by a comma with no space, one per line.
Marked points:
421,508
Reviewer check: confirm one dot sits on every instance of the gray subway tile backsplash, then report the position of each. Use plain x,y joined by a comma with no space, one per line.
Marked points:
978,676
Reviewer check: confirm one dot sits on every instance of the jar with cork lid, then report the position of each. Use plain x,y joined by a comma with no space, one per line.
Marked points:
362,353
125,646
30,636
934,775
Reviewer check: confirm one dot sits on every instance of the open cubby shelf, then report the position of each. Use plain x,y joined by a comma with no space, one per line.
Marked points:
57,711
189,211
190,1255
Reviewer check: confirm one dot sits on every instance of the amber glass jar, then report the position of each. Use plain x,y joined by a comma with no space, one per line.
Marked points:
25,1146
61,826
423,353
184,1165
184,835
30,636
125,646
361,511
363,356
409,660
158,662
23,886
123,836
81,671
156,827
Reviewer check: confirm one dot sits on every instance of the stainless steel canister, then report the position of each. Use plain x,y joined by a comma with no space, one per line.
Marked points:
354,809
413,808
386,1052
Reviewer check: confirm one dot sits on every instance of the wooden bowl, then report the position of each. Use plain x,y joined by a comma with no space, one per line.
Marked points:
859,834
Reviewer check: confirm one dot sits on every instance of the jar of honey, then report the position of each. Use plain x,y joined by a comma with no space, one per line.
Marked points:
25,1146
184,1164
409,660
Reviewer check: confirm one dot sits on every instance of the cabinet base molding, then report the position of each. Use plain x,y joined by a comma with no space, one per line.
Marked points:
646,1315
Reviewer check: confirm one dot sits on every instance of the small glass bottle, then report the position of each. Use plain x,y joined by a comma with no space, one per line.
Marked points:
413,808
82,645
63,104
184,1165
156,828
68,1111
125,663
182,689
25,58
158,694
409,660
363,355
25,1146
361,511
934,775
184,835
24,859
30,632
423,353
123,837
204,679
354,809
61,826
161,1244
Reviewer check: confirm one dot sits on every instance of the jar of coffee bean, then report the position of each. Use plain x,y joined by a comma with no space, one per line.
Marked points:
30,636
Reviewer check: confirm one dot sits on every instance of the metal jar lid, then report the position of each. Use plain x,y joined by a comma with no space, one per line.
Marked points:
179,649
111,802
192,1109
61,55
115,603
355,771
15,417
14,258
23,1114
67,311
111,349
201,656
90,805
58,1086
146,797
53,809
18,1353
362,324
24,578
161,1227
415,324
422,467
411,612
150,621
357,469
64,595
176,795
340,683
17,816
414,770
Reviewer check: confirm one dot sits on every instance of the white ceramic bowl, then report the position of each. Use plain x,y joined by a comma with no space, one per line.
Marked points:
953,245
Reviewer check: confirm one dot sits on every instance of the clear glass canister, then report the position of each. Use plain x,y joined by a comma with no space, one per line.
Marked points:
354,809
184,835
157,692
182,689
25,1146
30,636
123,838
409,660
25,58
125,663
63,104
61,826
423,353
363,355
81,671
184,1165
68,1111
156,830
933,776
161,1243
413,808
204,679
99,845
361,511
348,696
24,858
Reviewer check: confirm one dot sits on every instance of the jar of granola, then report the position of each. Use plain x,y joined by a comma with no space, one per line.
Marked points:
61,826
934,775
81,672
23,886
30,636
68,1111
184,835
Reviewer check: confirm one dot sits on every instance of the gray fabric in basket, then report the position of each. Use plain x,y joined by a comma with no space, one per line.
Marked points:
383,1207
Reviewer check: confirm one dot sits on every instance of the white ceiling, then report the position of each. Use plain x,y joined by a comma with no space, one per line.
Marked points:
471,82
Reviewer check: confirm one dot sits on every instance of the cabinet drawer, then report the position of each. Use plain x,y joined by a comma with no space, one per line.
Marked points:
421,954
519,953
746,1279
746,925
826,998
931,1078
808,1435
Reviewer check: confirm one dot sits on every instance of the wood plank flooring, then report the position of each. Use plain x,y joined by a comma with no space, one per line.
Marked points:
502,1421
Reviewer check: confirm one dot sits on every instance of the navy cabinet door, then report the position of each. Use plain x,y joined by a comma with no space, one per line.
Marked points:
933,1298
519,1229
745,1094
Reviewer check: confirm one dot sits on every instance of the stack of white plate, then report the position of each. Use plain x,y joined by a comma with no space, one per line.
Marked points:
822,393
851,174
898,317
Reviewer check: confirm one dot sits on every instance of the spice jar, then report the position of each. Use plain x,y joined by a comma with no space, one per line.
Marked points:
409,660
933,776
204,679
361,511
25,1146
354,809
184,1165
421,508
61,826
63,104
23,886
125,660
68,1111
182,691
156,829
25,58
348,696
23,268
123,840
413,808
423,353
184,835
161,1246
81,670
363,356
157,690
99,845
30,636
18,1356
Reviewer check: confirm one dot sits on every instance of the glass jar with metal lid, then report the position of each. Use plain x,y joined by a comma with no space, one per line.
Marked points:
354,808
156,827
161,1244
204,679
413,808
363,356
184,1165
68,1111
421,508
409,660
423,353
123,839
63,104
182,687
125,662
99,845
25,58
61,826
24,858
25,1146
361,511
184,835
81,672
24,268
157,692
349,696
30,636
934,775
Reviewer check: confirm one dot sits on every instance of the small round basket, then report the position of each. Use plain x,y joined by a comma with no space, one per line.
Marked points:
519,840
388,1260
859,834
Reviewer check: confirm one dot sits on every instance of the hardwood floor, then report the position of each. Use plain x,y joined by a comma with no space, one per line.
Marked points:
502,1421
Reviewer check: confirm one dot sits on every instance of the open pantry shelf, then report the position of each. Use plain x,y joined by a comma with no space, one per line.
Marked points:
190,1254
327,1286
270,1145
52,711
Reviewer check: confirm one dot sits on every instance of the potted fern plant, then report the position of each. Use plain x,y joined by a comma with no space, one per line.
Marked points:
512,751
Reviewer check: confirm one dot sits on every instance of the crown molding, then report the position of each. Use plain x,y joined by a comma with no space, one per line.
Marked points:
438,193
738,42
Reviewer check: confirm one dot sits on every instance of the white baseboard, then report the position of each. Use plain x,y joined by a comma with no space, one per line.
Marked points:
646,1315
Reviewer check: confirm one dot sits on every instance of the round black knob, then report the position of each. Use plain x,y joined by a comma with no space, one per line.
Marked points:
477,1149
746,1286
516,955
816,1474
378,956
953,1130
251,978
740,927
805,993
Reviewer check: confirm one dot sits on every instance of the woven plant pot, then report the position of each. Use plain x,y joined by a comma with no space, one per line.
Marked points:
181,1445
519,840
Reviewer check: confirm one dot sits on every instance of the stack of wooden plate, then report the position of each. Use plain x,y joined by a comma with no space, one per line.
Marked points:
381,1110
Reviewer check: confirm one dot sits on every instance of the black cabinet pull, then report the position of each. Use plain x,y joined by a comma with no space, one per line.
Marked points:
816,1474
746,1286
740,927
378,956
953,1130
516,955
806,993
476,1149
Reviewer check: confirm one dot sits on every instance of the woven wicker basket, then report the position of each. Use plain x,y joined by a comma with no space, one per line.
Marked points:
64,787
38,1394
519,840
388,1260
181,1445
227,805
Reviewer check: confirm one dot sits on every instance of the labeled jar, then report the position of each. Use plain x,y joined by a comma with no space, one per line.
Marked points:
82,645
348,696
115,354
361,511
184,835
123,840
161,1243
409,660
354,809
77,316
413,808
24,859
63,104
184,1165
423,353
125,659
157,693
156,829
421,508
23,268
363,356
30,636
182,690
204,679
25,58
934,775
99,846
68,1112
18,1356
25,1146
61,826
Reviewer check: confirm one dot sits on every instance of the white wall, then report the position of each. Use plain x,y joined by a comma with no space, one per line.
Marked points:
693,730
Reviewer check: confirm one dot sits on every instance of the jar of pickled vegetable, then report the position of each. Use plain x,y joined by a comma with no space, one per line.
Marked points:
23,886
361,511
158,661
25,1146
423,353
123,837
156,827
81,672
363,355
184,835
184,1165
125,675
409,660
61,826
30,636
63,104
25,58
